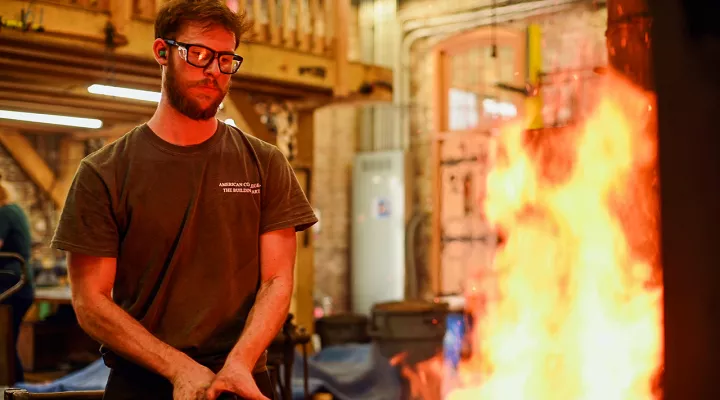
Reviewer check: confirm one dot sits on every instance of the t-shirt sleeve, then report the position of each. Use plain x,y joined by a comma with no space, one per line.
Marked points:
284,202
87,224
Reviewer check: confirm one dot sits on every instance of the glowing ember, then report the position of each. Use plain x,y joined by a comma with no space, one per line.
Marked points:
576,314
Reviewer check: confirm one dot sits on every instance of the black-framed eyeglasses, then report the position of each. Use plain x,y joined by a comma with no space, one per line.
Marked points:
200,56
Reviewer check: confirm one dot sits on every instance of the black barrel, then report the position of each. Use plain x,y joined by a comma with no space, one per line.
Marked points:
342,329
413,328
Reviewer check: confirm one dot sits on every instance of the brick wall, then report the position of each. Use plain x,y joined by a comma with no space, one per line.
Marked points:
571,40
335,130
573,44
334,149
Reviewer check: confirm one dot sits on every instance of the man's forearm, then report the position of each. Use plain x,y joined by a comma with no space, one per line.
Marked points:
110,325
264,321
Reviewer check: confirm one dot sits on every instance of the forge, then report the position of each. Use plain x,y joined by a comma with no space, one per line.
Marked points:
573,307
593,268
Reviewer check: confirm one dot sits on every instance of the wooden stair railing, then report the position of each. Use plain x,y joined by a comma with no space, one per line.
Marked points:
303,25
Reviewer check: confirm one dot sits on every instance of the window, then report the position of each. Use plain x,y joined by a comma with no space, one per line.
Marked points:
463,113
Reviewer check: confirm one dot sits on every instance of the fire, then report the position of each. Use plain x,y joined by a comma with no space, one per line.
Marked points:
577,307
573,310
425,378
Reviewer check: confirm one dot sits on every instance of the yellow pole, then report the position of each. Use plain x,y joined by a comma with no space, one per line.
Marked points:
534,104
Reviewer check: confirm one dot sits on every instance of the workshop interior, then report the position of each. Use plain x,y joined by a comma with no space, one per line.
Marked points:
515,199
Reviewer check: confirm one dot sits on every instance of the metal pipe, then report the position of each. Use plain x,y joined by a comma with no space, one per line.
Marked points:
508,6
401,76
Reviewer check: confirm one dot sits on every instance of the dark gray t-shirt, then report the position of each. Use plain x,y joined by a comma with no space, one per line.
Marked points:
184,223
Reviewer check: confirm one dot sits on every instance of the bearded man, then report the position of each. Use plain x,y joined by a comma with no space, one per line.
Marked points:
181,235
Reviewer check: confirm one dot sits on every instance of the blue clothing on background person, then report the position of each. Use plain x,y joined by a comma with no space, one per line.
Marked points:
16,238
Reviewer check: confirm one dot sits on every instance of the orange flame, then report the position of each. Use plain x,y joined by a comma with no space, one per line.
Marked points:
574,309
576,313
424,378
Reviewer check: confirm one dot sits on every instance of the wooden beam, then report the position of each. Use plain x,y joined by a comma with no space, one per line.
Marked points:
136,67
109,116
303,298
39,78
110,132
279,89
89,103
120,15
231,111
61,71
305,138
38,81
59,93
71,153
342,17
64,22
35,128
22,151
376,97
240,101
52,56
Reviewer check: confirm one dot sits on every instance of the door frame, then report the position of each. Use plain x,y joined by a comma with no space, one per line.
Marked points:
441,54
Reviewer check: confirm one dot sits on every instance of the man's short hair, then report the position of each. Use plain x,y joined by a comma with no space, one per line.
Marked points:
177,14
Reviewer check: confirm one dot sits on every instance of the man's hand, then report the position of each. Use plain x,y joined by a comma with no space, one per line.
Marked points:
235,379
192,382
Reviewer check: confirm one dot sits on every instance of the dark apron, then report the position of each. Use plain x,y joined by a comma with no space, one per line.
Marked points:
131,382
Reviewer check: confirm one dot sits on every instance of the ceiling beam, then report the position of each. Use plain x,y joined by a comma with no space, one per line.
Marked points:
78,91
22,151
15,75
35,128
287,67
240,105
106,116
70,154
109,61
62,71
100,103
110,133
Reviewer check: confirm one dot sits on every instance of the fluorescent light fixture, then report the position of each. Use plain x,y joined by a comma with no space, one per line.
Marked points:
51,119
115,91
135,94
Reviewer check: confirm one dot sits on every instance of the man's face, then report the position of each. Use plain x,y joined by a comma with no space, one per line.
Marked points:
198,92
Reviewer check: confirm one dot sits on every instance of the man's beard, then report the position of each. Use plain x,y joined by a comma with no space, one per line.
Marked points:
182,101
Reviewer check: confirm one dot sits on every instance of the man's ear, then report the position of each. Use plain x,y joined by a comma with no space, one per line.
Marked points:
161,51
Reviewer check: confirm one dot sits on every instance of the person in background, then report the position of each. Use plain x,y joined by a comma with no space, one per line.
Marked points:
15,237
181,234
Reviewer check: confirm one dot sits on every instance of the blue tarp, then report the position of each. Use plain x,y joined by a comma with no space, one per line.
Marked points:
92,377
356,371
